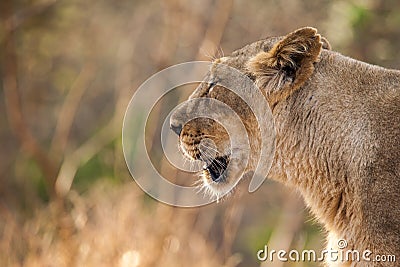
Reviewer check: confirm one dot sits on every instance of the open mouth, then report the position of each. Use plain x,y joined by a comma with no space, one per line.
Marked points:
215,169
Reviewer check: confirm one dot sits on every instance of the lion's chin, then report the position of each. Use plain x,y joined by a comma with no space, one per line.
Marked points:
219,188
221,175
215,189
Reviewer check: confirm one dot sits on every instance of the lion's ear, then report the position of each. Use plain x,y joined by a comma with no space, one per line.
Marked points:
288,64
325,43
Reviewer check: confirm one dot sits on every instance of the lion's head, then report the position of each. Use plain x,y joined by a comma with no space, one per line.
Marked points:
278,66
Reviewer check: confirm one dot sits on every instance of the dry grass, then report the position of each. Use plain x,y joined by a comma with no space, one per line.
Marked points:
109,226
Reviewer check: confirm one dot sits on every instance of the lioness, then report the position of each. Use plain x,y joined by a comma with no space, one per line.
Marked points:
337,126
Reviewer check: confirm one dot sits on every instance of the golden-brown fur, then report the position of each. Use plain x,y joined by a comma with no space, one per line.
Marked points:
337,134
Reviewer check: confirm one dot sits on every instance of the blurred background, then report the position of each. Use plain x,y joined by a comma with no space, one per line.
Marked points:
68,71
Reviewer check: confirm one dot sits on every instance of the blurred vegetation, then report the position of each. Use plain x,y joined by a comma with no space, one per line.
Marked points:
68,70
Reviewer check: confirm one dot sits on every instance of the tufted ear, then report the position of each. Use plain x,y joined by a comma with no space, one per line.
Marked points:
288,64
325,43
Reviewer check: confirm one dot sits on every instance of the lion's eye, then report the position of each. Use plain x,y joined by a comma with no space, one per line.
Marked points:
211,86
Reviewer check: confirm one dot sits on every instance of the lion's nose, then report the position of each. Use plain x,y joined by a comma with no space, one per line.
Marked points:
176,127
177,120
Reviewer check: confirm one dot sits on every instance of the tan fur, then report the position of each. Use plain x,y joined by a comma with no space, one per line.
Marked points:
298,51
338,134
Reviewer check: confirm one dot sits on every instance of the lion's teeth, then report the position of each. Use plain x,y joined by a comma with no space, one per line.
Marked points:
205,166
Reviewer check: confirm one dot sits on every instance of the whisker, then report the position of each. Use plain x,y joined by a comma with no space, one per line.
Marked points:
218,164
206,158
207,155
191,165
210,152
207,54
185,160
190,162
208,148
197,183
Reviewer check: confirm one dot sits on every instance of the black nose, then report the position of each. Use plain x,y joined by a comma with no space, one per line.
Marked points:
177,128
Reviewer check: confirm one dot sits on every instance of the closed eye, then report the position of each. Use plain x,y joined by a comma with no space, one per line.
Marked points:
211,86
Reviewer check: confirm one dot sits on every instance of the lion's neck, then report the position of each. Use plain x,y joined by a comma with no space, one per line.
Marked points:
325,139
308,159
